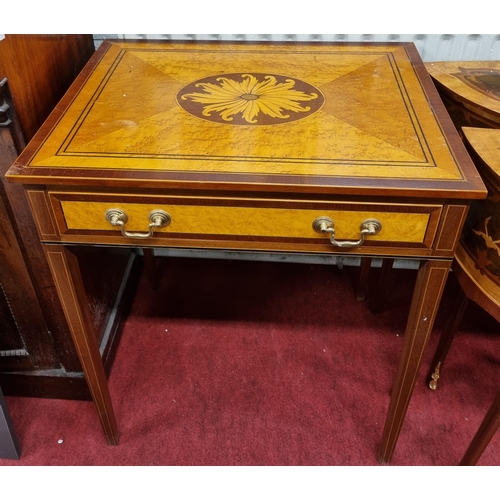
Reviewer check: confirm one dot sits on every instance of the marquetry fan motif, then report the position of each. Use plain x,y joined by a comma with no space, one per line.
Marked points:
295,110
250,99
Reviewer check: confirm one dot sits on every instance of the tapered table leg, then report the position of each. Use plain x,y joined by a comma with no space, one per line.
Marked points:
364,277
66,272
483,436
447,336
429,287
152,271
379,301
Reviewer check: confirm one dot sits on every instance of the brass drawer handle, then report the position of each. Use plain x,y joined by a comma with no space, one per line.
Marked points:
157,219
325,225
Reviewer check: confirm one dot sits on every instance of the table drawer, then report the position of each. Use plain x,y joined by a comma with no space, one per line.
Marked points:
81,217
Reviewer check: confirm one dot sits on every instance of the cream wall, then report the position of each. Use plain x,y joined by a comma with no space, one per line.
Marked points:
461,47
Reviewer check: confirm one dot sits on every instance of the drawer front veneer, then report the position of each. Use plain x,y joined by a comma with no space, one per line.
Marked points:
82,216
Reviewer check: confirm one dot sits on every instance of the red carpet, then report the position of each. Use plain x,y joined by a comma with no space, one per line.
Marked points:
252,363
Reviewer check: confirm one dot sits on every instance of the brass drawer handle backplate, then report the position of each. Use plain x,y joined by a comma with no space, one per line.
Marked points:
325,225
157,219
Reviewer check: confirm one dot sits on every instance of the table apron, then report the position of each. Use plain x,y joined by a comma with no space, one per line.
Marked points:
409,229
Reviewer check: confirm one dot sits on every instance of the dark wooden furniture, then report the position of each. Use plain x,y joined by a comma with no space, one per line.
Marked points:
37,357
315,148
477,257
477,269
484,434
471,93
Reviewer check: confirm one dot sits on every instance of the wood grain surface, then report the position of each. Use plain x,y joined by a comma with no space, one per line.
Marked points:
177,114
473,84
245,144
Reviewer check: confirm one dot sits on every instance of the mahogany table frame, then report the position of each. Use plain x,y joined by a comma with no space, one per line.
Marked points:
432,275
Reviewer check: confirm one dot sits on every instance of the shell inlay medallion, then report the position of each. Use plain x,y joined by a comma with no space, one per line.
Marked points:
250,99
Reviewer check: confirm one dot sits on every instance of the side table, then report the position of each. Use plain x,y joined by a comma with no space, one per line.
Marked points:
314,148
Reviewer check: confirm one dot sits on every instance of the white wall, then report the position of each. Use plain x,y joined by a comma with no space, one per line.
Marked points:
430,47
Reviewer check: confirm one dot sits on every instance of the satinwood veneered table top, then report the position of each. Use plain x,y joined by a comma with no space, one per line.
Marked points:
276,117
